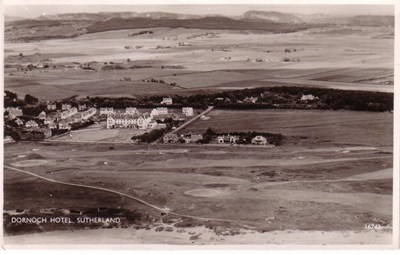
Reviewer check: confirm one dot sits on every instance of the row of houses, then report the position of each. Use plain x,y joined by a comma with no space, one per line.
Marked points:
124,120
13,112
186,138
233,139
65,107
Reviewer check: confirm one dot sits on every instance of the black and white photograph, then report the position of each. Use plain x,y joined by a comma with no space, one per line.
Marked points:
199,125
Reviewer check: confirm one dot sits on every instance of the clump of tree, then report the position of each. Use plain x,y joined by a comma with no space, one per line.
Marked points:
151,136
30,99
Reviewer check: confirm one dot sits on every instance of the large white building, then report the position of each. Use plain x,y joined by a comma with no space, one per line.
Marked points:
14,112
68,113
131,110
159,111
187,111
106,110
124,120
166,100
88,113
121,121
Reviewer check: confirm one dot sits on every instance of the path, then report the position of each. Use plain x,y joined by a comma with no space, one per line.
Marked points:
187,123
163,210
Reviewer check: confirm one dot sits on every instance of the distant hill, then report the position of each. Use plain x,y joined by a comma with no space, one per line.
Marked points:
362,20
319,18
103,16
201,23
272,16
69,25
12,18
372,20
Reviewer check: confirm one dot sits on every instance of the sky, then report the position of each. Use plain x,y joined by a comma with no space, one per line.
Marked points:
32,11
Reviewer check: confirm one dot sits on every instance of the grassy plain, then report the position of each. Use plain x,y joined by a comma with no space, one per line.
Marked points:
306,127
205,64
306,184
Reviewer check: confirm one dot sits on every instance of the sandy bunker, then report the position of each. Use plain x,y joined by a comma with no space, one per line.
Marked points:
203,192
31,162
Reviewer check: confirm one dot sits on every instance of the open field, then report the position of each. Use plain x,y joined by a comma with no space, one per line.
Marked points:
307,128
206,64
281,188
335,181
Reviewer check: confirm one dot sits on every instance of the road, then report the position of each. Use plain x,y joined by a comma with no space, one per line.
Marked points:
163,210
187,123
191,120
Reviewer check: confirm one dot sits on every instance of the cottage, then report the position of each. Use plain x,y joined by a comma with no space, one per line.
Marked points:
43,64
8,139
52,125
143,121
82,107
131,111
233,139
64,115
259,140
76,118
65,107
19,122
220,139
31,124
68,113
192,138
227,139
14,112
46,132
48,121
166,101
170,138
159,111
106,110
187,111
51,107
308,97
64,125
152,124
251,100
42,116
88,113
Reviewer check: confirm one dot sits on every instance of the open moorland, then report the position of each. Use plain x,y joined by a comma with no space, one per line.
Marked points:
361,58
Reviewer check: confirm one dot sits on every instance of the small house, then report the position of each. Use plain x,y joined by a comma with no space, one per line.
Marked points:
187,111
82,107
106,110
308,97
42,116
131,111
51,107
14,112
166,101
259,140
65,107
64,125
19,122
170,138
31,124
